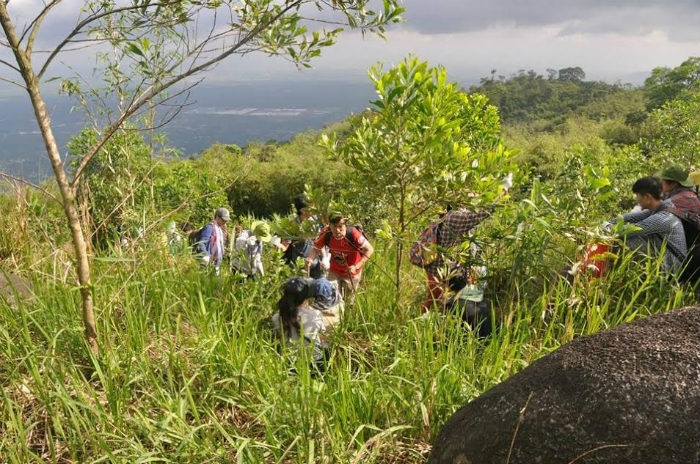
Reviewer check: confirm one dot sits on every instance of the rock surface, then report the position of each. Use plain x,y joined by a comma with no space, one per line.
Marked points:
12,285
630,394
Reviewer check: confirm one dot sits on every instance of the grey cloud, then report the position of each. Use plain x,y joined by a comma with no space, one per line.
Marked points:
679,19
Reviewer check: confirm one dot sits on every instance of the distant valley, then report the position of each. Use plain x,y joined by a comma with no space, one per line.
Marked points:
236,113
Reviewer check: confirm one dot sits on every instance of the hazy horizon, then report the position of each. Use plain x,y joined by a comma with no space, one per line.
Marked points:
230,113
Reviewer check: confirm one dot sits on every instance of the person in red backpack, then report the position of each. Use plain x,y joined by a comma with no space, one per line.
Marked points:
349,251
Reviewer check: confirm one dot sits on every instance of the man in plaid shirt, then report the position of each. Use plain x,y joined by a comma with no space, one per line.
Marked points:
660,230
452,229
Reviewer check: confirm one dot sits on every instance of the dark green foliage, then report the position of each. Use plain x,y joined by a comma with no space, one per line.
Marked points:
669,135
528,96
666,84
271,175
115,188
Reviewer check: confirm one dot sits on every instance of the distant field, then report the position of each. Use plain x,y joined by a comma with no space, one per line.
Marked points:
238,113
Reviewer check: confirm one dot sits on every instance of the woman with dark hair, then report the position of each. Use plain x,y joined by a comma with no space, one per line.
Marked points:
302,323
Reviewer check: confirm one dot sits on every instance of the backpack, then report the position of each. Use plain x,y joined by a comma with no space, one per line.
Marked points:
423,251
194,238
691,265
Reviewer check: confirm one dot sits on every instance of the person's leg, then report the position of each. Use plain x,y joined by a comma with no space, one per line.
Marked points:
346,286
338,280
435,292
353,284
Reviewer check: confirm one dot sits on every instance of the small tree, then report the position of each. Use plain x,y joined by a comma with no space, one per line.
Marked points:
670,133
147,49
665,84
425,144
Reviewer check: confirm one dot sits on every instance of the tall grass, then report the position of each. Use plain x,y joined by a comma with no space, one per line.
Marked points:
191,371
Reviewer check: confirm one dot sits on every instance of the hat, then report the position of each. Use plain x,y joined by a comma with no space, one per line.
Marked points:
335,216
261,230
223,214
676,174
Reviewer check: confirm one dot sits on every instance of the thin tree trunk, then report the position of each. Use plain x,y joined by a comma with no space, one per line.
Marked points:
67,193
72,214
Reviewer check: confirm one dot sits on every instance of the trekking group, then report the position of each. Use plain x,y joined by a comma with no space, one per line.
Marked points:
666,224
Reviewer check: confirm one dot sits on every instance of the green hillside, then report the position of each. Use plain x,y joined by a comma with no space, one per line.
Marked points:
189,368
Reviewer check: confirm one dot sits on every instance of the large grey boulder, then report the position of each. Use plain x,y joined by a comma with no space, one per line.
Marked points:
630,394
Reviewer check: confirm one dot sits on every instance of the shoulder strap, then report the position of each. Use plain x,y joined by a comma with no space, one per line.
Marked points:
348,235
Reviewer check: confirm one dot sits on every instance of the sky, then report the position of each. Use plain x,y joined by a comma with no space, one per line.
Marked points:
611,40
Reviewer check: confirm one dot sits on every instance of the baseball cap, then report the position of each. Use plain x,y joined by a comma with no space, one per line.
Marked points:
223,214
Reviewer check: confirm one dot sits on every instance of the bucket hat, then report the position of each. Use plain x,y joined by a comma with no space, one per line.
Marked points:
676,174
261,230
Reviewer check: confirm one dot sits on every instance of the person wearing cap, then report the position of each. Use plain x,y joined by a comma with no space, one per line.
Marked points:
678,190
248,249
212,241
315,294
349,251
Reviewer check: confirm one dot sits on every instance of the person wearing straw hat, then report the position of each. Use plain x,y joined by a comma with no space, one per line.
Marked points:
679,196
248,249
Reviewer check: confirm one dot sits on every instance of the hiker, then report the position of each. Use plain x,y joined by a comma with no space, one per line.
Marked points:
211,242
467,300
319,294
300,247
680,196
349,251
247,249
449,230
659,230
678,192
302,324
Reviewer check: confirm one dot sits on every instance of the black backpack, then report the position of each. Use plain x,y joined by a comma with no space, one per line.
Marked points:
194,238
691,265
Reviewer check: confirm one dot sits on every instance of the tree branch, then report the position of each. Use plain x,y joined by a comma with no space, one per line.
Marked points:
154,90
5,175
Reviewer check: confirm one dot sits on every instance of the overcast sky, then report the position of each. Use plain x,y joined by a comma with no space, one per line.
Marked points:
611,40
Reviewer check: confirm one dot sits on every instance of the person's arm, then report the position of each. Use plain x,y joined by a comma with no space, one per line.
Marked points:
636,216
655,224
462,221
366,251
315,250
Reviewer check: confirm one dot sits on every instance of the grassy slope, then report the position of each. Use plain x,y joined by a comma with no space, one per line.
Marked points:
190,370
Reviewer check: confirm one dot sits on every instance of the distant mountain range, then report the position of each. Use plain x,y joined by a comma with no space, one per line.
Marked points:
236,113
